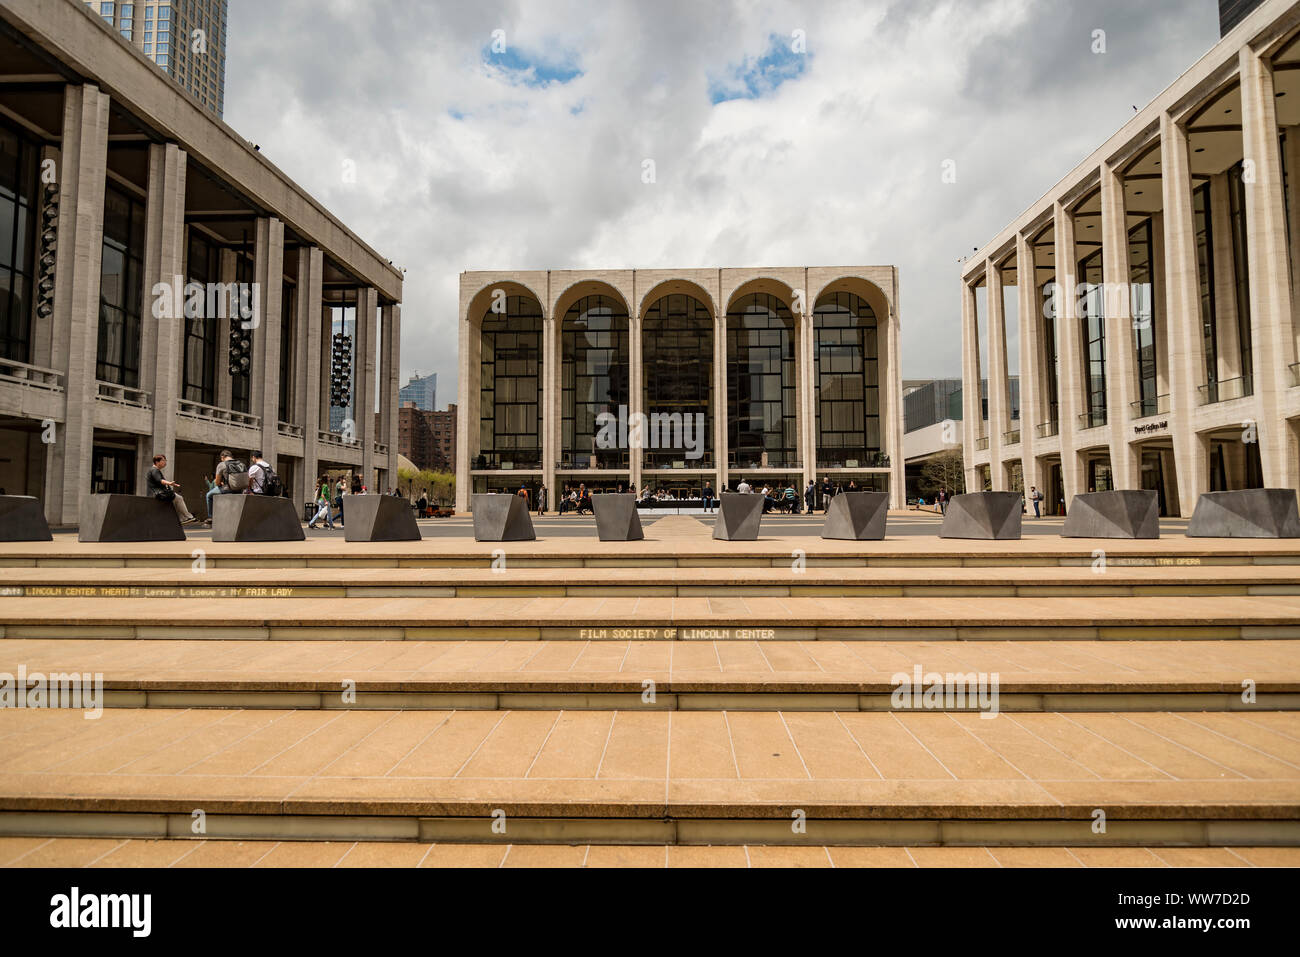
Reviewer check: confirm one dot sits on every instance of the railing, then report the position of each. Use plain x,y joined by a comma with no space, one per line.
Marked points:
1046,430
34,377
875,460
121,395
1227,389
211,413
750,464
605,460
334,438
289,429
982,443
1011,438
1092,420
1146,407
526,460
381,448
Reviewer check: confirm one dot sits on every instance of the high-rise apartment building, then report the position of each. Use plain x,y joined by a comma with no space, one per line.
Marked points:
186,38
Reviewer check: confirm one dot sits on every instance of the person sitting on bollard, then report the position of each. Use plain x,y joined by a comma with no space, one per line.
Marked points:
165,490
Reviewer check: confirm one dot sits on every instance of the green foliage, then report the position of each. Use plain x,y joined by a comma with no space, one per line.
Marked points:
945,470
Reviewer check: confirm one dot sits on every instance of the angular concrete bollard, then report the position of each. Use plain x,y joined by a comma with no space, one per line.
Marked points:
22,520
857,516
128,518
255,518
1248,513
991,516
616,518
1122,513
739,515
379,518
501,518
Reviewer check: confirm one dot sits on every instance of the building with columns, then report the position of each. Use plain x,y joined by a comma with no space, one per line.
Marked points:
114,181
793,374
1152,295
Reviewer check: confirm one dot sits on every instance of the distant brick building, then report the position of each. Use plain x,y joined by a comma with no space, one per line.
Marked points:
428,439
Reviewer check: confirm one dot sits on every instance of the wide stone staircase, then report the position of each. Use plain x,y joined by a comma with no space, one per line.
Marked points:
677,700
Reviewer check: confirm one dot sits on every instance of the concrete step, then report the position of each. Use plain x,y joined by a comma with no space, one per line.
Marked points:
776,551
659,618
622,777
199,852
665,676
1118,580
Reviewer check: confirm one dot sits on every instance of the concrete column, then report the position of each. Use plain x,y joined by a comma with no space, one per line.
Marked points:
808,370
229,274
162,344
466,409
74,344
1160,339
1273,343
1292,166
391,317
999,389
550,402
1121,347
363,376
892,409
971,412
1186,356
1223,283
1069,348
268,274
1031,369
721,400
635,388
308,383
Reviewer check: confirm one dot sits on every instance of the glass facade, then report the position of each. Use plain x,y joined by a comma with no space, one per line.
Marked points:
594,379
1241,275
121,289
199,371
288,324
677,347
1051,352
1092,323
510,373
1205,276
18,211
241,384
1144,317
847,382
761,405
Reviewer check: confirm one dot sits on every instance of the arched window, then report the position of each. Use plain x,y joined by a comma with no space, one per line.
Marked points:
677,350
761,406
594,379
510,377
847,382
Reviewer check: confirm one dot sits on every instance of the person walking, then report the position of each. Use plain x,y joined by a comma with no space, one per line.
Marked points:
323,505
827,493
164,490
810,495
1036,497
340,489
542,500
942,500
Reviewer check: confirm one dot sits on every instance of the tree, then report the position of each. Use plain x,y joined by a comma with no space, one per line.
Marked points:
944,470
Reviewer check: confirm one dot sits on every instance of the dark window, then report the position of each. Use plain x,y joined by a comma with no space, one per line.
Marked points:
121,289
510,375
847,382
761,402
1241,274
1144,317
1092,323
200,365
18,205
1205,273
594,377
1052,304
288,318
241,385
112,471
677,345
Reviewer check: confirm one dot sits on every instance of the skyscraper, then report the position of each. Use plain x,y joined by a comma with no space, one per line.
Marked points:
422,390
186,38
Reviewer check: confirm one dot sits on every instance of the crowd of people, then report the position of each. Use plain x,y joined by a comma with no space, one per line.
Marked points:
576,499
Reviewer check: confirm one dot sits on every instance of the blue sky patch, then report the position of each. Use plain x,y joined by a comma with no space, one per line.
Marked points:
755,77
523,68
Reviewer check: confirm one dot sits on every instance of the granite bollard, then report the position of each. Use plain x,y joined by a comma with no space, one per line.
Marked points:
501,518
255,518
739,515
857,516
128,518
1120,513
616,518
991,516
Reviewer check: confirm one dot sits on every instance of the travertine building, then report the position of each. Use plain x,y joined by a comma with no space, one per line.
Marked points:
1155,292
116,188
791,374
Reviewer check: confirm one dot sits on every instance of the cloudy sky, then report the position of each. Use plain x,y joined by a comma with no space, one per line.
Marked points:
515,135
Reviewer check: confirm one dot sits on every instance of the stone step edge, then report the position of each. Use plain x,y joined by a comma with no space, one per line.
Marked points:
647,630
1098,701
1162,826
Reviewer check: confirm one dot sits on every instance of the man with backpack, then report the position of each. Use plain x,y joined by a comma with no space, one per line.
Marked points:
1035,496
230,477
262,479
